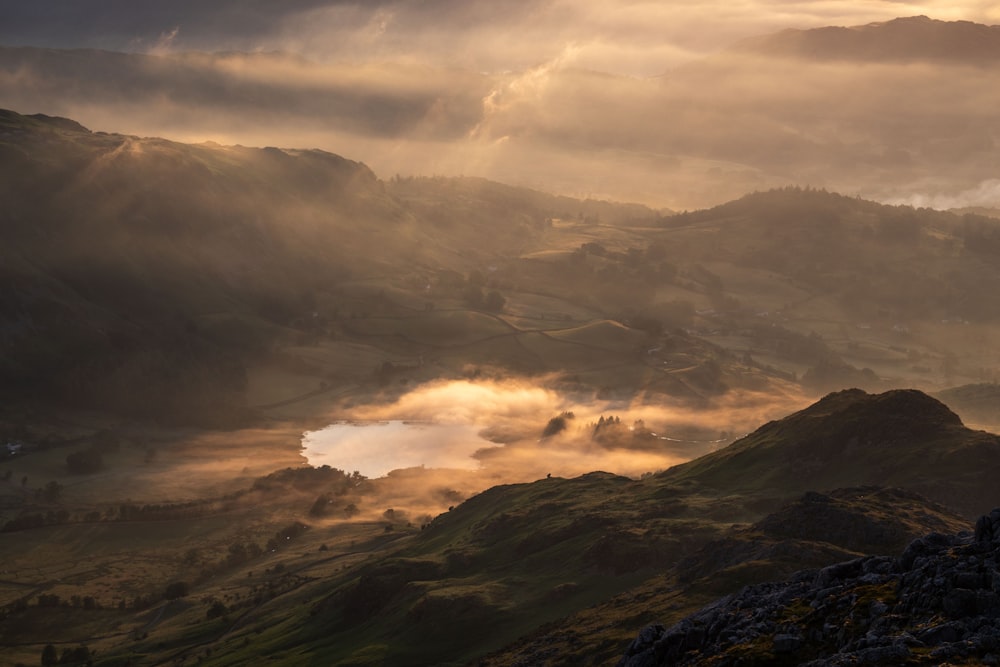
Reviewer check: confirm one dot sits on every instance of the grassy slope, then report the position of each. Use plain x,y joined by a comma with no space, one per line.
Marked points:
557,546
789,540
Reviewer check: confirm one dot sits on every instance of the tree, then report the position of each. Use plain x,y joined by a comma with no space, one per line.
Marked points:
321,506
49,655
75,656
494,301
85,462
175,590
217,609
52,491
473,296
477,278
557,425
106,441
656,251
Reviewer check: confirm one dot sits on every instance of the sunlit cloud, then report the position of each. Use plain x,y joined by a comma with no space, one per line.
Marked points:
165,43
469,435
515,412
986,194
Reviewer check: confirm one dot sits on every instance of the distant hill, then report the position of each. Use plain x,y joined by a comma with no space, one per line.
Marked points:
912,38
988,212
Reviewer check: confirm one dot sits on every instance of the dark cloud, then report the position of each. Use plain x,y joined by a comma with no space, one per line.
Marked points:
139,24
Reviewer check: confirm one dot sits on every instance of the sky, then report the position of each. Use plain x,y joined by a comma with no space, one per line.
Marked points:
630,100
635,37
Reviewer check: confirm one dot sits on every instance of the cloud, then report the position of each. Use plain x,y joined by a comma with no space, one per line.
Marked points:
443,454
985,194
513,413
467,402
636,37
631,101
165,42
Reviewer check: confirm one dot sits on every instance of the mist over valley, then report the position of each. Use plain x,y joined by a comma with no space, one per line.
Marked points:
392,335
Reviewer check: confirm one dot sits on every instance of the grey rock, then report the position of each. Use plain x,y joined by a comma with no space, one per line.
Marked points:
787,643
959,602
868,611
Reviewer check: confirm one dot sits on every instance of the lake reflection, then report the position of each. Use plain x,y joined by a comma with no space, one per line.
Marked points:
376,448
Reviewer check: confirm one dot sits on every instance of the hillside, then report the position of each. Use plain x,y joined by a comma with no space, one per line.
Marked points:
556,546
780,544
933,604
900,438
182,268
142,281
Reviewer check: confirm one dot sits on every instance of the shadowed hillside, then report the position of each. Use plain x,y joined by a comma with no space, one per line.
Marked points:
177,267
154,243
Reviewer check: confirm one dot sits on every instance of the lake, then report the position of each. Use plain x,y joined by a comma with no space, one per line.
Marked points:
376,448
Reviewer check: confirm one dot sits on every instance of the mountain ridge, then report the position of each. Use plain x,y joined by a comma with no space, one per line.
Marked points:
904,39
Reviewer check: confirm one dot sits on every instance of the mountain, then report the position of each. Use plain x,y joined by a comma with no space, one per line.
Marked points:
910,39
125,259
850,438
933,604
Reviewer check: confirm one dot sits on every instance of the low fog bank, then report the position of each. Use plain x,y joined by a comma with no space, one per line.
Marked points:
538,432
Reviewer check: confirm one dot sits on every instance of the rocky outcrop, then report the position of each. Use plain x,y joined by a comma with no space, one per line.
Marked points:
937,602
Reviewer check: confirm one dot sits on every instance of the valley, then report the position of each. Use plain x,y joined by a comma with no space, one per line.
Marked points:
274,404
